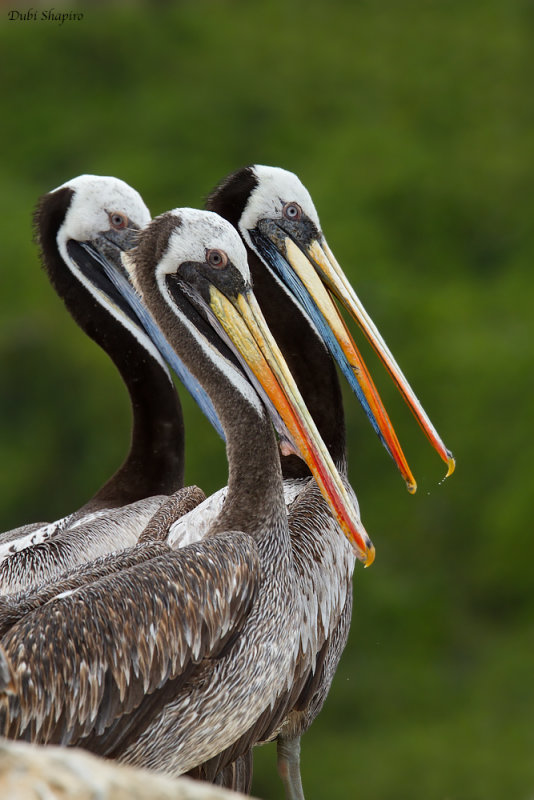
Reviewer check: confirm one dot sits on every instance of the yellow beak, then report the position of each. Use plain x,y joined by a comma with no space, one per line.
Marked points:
245,325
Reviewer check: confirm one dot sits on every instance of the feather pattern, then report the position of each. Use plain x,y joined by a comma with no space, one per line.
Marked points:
152,621
72,545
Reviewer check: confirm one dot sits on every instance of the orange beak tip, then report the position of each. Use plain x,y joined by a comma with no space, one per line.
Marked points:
451,463
411,485
370,555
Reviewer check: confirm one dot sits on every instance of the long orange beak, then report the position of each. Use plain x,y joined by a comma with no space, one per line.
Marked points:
313,275
327,308
245,325
331,273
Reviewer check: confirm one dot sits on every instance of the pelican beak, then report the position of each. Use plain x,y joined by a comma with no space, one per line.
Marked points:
333,276
99,260
313,275
242,320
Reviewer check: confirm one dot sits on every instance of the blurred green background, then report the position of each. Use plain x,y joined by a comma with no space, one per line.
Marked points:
411,123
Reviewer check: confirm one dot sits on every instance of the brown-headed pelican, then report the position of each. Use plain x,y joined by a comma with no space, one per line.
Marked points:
293,273
167,663
76,224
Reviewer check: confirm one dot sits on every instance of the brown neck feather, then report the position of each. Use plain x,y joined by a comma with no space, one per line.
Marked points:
255,490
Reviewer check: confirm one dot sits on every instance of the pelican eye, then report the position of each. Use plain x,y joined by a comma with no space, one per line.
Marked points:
118,220
216,258
292,212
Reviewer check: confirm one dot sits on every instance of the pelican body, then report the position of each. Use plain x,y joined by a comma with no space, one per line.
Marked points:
76,225
175,659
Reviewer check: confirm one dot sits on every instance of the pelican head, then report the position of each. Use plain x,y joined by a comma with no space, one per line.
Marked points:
89,221
277,219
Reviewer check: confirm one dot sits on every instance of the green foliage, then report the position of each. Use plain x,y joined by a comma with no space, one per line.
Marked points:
411,125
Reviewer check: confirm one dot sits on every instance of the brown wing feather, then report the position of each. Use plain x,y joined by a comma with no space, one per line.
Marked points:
84,660
178,504
14,607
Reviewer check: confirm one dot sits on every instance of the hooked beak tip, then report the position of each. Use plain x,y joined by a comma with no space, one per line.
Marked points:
451,463
370,554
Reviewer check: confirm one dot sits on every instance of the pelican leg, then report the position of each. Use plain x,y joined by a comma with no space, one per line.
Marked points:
288,754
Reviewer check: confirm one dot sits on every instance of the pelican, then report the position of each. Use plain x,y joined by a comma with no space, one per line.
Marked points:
324,562
171,661
75,224
294,274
